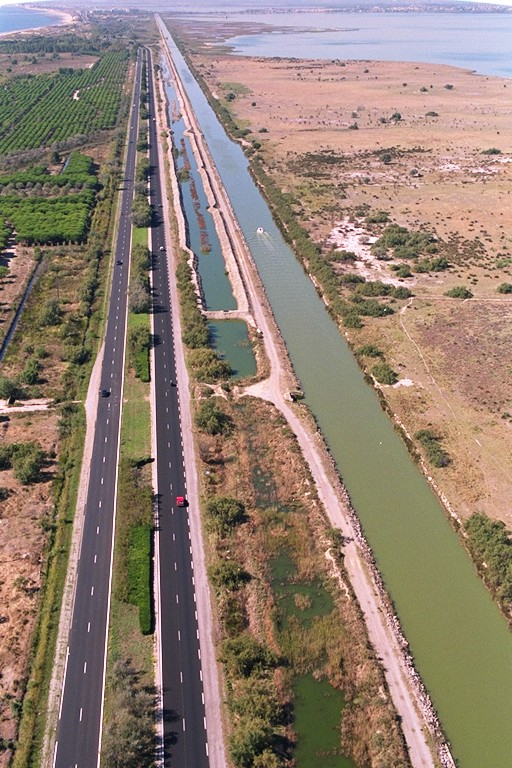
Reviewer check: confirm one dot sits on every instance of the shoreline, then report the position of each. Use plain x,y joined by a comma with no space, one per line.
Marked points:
66,19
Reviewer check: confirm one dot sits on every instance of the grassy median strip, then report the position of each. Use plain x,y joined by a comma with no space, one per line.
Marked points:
130,679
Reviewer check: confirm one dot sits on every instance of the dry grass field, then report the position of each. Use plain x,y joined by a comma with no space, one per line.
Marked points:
351,138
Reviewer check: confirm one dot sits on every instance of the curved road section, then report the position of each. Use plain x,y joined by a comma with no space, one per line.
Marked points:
184,734
81,708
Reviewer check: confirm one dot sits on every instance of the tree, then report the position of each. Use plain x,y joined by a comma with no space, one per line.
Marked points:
51,313
211,419
30,373
224,513
228,574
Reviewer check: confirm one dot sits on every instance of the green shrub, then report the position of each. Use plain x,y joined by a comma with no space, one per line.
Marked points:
435,453
228,575
207,366
459,292
245,657
224,513
384,374
379,217
369,350
491,547
491,151
139,575
504,288
210,418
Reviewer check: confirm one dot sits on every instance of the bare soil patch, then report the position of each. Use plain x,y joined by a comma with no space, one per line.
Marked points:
24,520
345,137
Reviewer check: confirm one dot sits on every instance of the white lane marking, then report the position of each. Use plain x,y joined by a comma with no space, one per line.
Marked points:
204,720
108,420
92,591
100,503
85,667
80,714
55,753
201,675
65,670
175,566
95,558
199,654
174,537
106,439
181,677
104,458
206,745
102,479
88,626
179,636
177,598
183,723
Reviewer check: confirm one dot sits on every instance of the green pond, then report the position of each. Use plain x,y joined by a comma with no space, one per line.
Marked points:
318,703
231,339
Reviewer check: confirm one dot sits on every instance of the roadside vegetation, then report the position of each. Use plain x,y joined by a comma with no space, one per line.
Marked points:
63,105
285,613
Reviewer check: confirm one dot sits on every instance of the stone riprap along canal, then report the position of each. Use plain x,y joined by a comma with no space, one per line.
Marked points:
460,642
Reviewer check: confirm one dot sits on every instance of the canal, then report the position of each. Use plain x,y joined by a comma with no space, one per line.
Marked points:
461,643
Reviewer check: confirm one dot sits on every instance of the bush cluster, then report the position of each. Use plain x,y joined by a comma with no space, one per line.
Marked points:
403,244
491,548
25,459
431,444
129,736
140,296
139,344
459,292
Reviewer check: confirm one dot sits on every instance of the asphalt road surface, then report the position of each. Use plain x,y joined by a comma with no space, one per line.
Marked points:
79,726
184,725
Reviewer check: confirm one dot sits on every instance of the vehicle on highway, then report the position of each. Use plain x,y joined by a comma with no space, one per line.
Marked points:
105,392
181,501
119,261
162,248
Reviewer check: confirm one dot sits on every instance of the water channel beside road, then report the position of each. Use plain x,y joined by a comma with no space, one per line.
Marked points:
461,643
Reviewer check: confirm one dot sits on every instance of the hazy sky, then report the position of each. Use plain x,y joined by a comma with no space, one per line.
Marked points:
304,3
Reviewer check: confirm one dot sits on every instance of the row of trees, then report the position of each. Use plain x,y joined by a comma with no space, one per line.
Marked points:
38,110
48,220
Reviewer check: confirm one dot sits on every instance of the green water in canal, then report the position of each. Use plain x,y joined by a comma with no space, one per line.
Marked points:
461,643
231,339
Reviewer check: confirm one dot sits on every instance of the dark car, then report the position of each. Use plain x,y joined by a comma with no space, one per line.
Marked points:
119,261
104,392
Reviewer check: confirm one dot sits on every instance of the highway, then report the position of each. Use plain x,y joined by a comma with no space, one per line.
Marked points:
184,722
81,708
